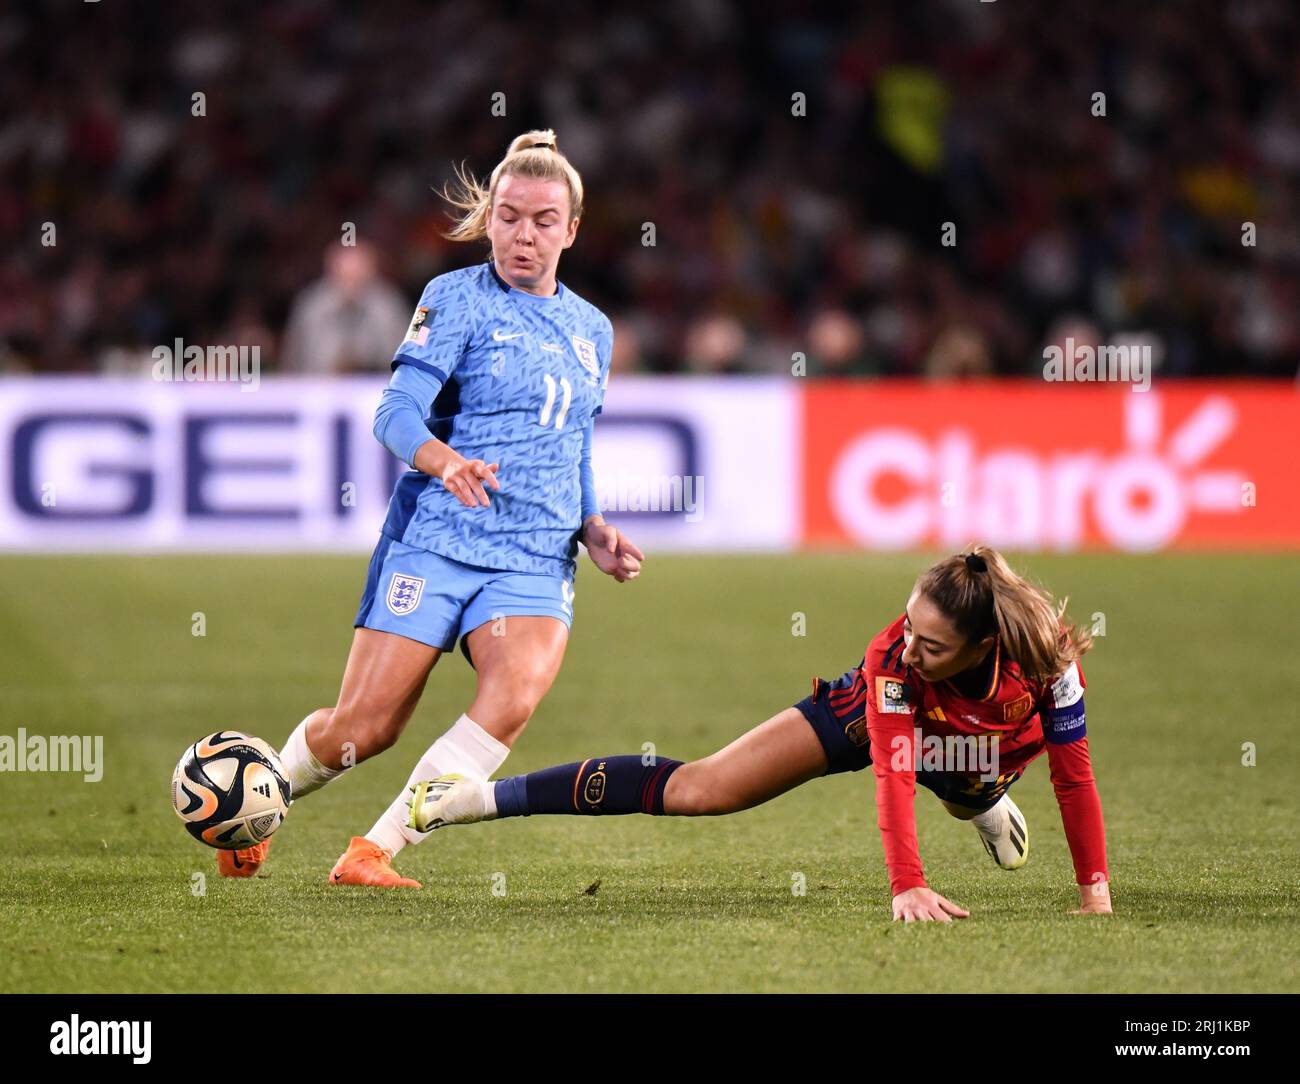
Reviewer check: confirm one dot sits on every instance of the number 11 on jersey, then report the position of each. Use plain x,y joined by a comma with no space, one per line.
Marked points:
567,388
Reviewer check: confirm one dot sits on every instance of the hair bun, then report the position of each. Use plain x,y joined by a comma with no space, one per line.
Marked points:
976,563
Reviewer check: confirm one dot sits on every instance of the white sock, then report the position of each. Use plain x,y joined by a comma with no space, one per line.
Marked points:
305,773
991,819
467,749
489,791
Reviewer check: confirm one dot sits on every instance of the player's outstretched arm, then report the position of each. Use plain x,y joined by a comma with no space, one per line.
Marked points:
1065,729
892,735
1085,833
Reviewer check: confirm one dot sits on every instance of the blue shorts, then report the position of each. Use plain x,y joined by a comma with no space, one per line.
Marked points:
837,713
433,599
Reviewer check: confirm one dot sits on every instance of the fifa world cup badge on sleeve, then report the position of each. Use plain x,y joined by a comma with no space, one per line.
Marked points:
891,696
404,593
418,332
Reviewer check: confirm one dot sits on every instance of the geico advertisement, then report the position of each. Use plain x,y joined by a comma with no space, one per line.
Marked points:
1041,466
89,464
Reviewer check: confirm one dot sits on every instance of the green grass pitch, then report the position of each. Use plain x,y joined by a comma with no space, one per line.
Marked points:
98,886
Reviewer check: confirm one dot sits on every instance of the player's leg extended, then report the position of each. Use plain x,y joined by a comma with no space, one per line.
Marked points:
417,599
516,659
776,756
382,683
770,759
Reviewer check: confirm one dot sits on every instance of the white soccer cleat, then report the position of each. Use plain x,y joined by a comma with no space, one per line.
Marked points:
449,799
1007,837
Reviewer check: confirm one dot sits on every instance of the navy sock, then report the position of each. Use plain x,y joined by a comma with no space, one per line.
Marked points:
601,785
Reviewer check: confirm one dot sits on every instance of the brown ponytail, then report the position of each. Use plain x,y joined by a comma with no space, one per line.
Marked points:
982,595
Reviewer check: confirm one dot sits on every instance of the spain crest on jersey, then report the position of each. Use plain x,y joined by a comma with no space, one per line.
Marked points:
586,351
404,593
1015,710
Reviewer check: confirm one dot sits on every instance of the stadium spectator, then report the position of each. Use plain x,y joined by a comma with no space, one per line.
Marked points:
202,219
347,322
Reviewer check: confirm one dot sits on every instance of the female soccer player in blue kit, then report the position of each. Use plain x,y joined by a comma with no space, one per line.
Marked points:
492,401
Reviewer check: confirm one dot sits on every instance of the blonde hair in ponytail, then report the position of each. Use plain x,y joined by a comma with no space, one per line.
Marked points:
525,158
998,600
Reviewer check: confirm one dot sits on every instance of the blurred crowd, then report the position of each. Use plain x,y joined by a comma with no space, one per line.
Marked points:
903,187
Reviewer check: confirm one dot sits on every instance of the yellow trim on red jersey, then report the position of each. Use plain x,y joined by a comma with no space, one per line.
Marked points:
997,667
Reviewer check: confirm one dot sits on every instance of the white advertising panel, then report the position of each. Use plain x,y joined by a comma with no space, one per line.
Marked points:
102,465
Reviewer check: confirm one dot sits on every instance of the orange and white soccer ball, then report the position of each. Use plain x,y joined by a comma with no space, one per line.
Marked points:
230,790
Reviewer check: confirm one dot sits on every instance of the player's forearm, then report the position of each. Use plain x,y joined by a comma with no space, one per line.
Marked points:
587,478
399,419
434,457
1080,804
896,816
400,428
399,425
1085,831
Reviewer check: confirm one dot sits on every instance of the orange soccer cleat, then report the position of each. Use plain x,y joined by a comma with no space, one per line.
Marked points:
244,862
367,863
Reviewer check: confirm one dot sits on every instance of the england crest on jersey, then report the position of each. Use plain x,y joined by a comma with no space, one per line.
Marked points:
586,351
404,593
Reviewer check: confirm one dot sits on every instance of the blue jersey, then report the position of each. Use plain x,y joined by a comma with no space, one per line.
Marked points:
508,377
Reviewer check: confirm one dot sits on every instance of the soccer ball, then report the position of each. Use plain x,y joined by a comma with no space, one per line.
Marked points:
229,789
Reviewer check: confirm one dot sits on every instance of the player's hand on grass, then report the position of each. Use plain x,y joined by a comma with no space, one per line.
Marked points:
1094,899
611,550
923,904
465,480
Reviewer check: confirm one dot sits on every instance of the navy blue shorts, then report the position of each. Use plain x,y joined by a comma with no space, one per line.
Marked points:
837,712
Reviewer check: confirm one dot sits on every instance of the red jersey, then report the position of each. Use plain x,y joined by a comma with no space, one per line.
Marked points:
1020,718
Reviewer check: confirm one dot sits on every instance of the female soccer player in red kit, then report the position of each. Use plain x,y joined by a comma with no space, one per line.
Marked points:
976,678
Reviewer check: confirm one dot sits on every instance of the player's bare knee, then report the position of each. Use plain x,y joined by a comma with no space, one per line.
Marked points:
511,714
378,739
504,709
363,733
693,791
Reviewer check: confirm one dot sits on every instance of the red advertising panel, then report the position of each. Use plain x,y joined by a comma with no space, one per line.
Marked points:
1057,467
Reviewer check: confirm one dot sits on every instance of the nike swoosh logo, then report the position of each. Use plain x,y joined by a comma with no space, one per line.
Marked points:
498,337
